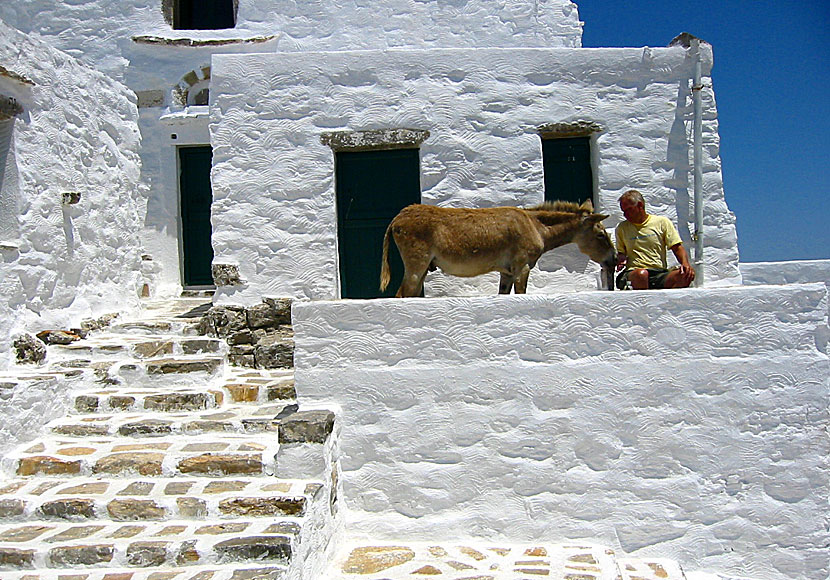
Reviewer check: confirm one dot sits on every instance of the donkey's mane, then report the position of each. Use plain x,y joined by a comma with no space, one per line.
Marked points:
565,206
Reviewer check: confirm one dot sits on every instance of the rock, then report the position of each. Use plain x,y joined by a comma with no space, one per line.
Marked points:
57,337
135,509
263,506
275,356
68,509
145,554
28,349
255,548
11,507
45,465
224,464
74,556
12,557
306,427
373,559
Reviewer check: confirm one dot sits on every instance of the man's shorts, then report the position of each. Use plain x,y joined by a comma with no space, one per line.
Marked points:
656,279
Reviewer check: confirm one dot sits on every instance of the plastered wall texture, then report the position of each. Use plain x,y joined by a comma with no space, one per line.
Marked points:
78,133
688,424
274,210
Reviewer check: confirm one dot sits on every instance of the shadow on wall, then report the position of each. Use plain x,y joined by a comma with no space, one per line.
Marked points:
677,156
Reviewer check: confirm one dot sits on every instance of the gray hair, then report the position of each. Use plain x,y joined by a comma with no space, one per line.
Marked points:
633,195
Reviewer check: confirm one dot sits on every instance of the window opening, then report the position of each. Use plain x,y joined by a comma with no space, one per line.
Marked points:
567,166
204,14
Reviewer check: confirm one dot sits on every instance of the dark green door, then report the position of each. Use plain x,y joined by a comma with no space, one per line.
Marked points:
195,201
568,173
372,187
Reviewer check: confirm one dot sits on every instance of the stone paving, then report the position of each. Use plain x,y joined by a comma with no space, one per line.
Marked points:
495,561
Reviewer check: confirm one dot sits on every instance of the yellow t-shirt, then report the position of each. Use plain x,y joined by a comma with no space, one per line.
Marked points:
645,244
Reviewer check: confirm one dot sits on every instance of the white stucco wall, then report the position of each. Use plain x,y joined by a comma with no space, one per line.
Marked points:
99,31
78,133
274,210
132,42
687,424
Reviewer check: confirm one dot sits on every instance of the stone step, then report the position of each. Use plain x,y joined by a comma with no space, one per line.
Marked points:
205,455
79,499
140,347
240,419
93,544
238,571
176,399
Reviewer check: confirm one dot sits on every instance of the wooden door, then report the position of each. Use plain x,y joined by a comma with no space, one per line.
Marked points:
371,187
196,198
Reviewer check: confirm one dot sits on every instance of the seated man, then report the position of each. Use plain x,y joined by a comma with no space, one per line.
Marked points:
642,240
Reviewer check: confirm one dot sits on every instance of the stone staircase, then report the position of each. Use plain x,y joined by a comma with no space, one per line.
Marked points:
171,464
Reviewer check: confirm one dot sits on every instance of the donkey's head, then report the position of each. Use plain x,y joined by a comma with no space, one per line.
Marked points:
591,237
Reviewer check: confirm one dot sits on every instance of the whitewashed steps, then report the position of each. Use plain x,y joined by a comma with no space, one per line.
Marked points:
87,499
73,545
238,571
241,419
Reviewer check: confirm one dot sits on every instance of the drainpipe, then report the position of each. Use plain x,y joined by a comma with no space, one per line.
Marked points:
697,86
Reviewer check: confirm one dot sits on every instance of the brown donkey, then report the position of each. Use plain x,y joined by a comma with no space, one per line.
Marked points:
509,240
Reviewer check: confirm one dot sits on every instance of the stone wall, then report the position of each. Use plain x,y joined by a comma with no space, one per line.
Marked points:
78,206
259,336
688,424
274,211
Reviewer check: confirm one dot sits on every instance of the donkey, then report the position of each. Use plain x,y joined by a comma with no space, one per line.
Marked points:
509,240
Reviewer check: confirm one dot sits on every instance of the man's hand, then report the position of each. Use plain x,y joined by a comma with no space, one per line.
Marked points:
622,260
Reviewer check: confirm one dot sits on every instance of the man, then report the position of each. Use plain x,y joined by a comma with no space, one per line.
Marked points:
642,240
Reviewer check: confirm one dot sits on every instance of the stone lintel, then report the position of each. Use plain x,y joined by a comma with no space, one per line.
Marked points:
195,42
569,129
375,139
9,107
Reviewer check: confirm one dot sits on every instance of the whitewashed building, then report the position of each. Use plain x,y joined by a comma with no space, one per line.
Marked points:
257,117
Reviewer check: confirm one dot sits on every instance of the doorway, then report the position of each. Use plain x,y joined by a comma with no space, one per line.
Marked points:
371,188
195,199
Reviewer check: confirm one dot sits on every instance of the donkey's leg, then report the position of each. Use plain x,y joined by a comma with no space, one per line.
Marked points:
521,280
414,272
505,283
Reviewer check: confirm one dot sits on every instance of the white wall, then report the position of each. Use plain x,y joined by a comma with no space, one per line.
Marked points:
100,31
78,133
103,34
274,213
687,424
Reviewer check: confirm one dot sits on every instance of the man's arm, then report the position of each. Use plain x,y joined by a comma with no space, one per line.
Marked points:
687,273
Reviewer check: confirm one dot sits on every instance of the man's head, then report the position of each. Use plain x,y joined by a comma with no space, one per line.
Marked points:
633,206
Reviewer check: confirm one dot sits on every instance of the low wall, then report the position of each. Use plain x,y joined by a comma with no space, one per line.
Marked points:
791,272
688,424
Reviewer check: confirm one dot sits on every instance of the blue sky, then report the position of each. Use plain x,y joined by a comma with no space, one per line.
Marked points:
772,87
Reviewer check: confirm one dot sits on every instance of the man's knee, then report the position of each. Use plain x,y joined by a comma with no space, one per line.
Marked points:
639,279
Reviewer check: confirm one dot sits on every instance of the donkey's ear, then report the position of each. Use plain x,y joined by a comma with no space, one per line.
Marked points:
594,218
587,204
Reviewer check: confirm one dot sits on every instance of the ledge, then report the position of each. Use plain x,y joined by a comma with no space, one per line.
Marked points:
4,72
196,42
569,129
375,139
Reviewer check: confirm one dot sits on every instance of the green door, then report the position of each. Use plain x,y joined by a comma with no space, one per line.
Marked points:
195,201
372,187
568,173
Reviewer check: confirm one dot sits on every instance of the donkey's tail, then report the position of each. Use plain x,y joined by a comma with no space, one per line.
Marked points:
384,265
